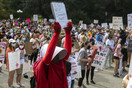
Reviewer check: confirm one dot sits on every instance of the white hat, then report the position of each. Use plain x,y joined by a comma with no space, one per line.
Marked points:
58,50
12,41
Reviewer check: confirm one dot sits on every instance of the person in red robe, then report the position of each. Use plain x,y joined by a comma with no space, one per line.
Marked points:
50,71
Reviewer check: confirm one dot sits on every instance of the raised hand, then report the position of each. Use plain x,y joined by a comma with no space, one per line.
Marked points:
57,28
68,28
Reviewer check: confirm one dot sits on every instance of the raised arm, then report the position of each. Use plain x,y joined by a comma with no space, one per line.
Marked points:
68,41
51,47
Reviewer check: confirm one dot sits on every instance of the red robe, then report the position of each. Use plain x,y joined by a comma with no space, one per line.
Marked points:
52,75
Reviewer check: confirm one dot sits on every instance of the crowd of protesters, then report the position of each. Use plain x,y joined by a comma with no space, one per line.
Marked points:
39,33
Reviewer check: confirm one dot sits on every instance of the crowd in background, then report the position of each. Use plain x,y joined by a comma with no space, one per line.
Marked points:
16,33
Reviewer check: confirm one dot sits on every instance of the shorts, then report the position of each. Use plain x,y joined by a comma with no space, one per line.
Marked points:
19,71
117,58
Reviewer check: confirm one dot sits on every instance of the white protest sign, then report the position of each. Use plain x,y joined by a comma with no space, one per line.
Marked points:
59,12
2,50
74,66
129,18
91,25
110,25
35,17
96,21
117,23
51,20
45,20
99,59
14,60
11,16
130,68
104,25
84,26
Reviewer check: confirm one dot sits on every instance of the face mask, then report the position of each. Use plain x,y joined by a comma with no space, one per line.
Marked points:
23,39
5,37
13,45
21,47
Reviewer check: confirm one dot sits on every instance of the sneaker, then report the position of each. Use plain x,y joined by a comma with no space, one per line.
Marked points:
17,85
87,82
22,85
116,75
11,87
124,70
93,82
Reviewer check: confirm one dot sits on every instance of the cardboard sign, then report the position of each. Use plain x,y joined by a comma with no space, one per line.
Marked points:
28,48
130,68
2,50
14,60
59,12
104,25
129,49
11,16
117,23
96,21
129,18
35,17
100,55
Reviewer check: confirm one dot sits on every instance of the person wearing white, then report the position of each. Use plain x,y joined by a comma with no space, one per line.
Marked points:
110,45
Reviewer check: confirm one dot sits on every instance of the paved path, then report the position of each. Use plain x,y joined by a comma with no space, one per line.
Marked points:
103,79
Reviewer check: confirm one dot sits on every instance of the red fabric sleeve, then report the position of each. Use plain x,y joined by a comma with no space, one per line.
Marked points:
50,50
68,45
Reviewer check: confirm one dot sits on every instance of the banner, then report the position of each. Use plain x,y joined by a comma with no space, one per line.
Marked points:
96,21
11,16
100,55
35,17
117,23
14,60
2,50
59,12
129,18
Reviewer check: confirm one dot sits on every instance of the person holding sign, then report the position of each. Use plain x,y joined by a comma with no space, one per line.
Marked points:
11,73
50,71
83,59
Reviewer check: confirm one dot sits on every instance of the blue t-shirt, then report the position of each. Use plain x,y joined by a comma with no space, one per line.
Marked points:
98,38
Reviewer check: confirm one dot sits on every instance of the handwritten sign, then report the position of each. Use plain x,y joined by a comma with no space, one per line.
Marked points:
11,16
35,17
2,50
96,21
129,18
100,55
14,60
117,23
59,12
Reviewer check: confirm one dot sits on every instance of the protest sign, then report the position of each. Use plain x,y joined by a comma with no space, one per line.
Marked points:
110,25
45,20
0,64
104,25
11,16
51,20
28,48
96,21
129,49
35,17
74,67
130,68
59,12
14,60
2,50
91,25
84,26
100,55
79,74
117,23
129,18
26,67
81,22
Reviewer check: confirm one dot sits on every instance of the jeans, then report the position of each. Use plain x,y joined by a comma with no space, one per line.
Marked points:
108,56
81,79
72,84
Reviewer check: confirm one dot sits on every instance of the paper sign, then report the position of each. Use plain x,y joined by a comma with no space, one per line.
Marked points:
96,21
79,74
130,68
104,25
117,23
35,17
2,50
26,67
14,60
99,59
11,16
59,12
129,18
110,25
74,67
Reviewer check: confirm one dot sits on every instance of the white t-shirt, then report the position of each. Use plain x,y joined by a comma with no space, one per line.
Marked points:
37,44
33,41
119,51
110,43
22,57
